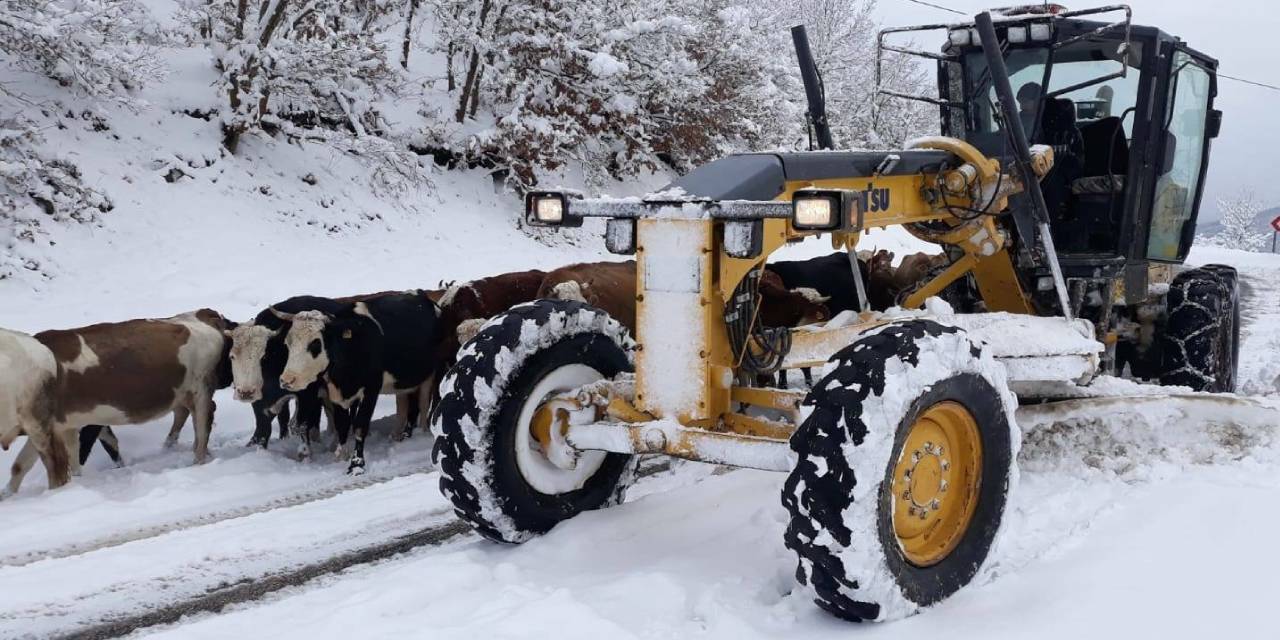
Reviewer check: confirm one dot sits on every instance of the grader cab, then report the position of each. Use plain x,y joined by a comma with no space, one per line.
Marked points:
901,454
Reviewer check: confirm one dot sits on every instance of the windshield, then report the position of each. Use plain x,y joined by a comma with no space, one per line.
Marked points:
1074,65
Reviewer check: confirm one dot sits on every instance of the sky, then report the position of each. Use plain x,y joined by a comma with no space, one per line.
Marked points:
1239,33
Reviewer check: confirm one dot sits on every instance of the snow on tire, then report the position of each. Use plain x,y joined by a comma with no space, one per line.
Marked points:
842,498
496,478
1201,335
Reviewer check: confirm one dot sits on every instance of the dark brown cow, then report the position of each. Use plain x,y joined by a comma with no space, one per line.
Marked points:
611,286
887,285
465,306
134,372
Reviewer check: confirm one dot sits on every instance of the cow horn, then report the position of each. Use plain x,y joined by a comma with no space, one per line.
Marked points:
287,317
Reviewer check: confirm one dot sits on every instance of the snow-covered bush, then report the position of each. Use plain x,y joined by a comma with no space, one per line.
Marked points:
93,46
98,50
304,64
1240,223
34,187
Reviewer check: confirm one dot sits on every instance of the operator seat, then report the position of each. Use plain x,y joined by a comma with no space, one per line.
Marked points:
1098,194
1059,131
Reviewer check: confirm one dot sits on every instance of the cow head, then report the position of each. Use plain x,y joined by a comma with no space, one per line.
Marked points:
305,342
782,307
810,306
248,346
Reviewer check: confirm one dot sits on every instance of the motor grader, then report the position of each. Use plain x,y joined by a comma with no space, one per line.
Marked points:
1064,211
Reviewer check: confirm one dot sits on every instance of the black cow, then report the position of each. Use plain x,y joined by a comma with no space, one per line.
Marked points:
383,345
258,357
829,275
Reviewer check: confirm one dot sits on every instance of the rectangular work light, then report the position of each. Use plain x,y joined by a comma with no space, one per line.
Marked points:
550,209
826,210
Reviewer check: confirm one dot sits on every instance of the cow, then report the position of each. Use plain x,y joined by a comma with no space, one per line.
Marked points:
28,395
384,345
130,373
611,286
830,275
466,306
258,355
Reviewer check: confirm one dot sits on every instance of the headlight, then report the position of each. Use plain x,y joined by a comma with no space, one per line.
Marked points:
549,209
816,212
826,210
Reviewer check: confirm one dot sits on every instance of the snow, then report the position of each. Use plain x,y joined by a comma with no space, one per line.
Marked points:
1124,519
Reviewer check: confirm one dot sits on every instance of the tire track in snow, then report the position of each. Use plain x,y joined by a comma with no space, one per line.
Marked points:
254,589
213,517
251,589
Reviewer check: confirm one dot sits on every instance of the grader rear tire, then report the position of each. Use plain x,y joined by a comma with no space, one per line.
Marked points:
906,457
491,467
1200,341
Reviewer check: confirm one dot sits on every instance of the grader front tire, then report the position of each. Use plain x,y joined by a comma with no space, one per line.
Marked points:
906,456
491,467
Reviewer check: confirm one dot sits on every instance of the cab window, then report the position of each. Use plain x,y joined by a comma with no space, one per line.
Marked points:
1179,182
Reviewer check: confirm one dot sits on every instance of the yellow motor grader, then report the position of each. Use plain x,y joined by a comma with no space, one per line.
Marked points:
1063,209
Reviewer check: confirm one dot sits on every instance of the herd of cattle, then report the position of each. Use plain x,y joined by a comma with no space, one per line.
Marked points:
64,389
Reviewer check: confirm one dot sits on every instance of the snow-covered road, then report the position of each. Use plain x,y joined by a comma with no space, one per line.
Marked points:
1127,522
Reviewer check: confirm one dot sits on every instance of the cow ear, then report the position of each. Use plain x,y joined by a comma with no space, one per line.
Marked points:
287,317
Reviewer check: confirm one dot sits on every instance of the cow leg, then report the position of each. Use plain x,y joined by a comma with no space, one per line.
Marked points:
307,422
180,415
782,378
342,430
426,400
261,425
415,412
23,463
403,413
283,420
110,444
808,376
203,410
88,437
360,429
70,441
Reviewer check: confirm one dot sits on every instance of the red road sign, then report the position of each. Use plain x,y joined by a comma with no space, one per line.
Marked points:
1275,224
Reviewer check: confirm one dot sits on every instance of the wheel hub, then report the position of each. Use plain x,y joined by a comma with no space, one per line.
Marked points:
935,483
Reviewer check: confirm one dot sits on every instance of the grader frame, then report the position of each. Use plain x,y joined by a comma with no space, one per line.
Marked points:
686,275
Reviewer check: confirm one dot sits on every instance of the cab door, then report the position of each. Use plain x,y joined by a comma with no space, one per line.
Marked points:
1188,125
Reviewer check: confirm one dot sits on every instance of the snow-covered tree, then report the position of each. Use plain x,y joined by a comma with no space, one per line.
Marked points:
626,86
842,34
308,63
1240,222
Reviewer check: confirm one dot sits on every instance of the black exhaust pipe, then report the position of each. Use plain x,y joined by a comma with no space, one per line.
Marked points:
813,90
1021,150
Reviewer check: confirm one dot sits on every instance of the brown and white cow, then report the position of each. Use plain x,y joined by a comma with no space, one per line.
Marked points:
611,286
28,377
134,372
